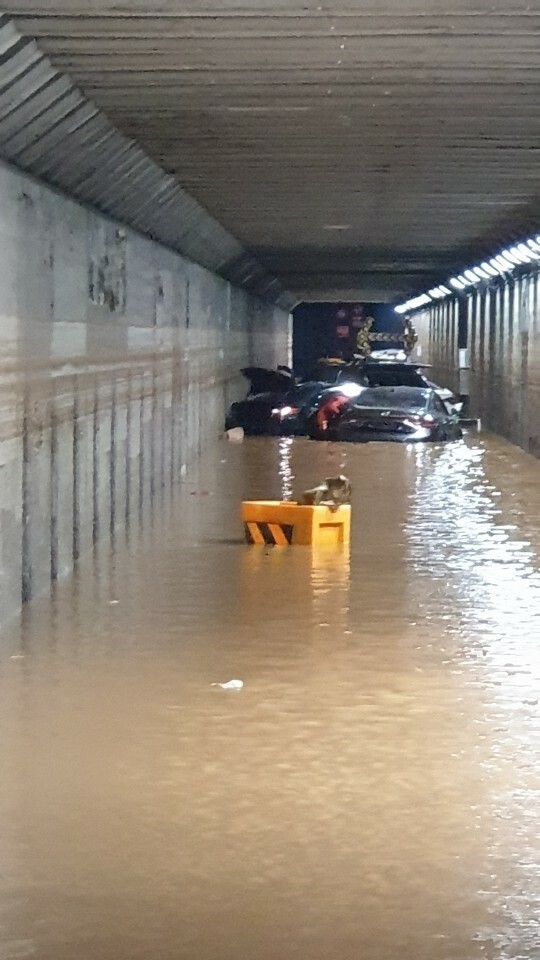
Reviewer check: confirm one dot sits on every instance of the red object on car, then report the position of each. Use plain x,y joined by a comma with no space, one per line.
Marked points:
329,409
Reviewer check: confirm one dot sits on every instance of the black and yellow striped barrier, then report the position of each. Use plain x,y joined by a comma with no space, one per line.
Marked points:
276,534
283,524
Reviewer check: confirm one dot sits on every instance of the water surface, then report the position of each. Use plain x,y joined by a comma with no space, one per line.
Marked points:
372,792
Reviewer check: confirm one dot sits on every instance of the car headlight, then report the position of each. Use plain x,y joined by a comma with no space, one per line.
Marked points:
283,412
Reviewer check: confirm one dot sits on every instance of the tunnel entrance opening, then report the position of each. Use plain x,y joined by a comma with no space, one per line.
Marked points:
339,329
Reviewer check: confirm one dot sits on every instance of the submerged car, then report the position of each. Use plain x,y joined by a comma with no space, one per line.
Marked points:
389,355
261,380
387,373
402,414
451,401
282,411
373,373
328,369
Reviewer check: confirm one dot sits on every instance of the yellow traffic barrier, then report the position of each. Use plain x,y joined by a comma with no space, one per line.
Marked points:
285,523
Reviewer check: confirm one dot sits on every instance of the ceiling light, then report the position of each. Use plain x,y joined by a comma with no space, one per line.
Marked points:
505,262
481,273
526,253
414,304
508,255
521,251
337,226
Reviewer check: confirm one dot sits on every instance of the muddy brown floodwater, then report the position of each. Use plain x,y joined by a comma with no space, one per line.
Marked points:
373,791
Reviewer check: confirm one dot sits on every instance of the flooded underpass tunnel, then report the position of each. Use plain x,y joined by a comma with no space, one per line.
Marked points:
212,748
373,788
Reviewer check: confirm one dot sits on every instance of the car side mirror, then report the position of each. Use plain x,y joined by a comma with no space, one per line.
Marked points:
456,408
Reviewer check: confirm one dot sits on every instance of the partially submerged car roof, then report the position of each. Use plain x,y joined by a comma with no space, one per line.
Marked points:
383,362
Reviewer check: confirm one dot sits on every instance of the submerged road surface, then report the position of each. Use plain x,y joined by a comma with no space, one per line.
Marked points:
373,791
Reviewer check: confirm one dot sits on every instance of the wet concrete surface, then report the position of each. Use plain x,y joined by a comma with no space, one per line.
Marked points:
372,792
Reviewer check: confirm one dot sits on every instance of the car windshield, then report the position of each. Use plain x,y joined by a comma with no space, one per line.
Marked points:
327,372
407,399
304,393
388,376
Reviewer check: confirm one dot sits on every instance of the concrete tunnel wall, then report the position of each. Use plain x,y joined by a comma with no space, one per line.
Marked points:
437,345
118,359
502,334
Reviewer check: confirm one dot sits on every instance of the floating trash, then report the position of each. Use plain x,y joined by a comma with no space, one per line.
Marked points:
236,434
230,685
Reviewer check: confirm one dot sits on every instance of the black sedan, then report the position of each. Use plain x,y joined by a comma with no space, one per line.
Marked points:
384,373
276,413
400,414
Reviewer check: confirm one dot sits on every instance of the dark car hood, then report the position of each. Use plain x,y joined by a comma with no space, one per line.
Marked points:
390,413
267,381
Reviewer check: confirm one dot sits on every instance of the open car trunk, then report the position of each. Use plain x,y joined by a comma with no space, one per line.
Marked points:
262,380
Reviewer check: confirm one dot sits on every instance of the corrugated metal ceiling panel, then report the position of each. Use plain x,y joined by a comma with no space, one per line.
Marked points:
369,146
50,130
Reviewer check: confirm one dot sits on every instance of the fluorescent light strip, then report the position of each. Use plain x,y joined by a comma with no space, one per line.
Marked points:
509,255
414,304
480,273
505,262
521,254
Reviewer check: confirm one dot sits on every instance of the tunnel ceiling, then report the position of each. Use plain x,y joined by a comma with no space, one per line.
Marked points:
359,149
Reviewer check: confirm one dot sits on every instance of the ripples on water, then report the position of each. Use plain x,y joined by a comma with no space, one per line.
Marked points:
371,793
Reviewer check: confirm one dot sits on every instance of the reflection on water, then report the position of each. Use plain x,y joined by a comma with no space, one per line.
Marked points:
285,470
372,792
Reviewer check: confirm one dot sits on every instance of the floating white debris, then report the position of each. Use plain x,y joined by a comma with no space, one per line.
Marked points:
230,685
236,434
